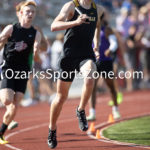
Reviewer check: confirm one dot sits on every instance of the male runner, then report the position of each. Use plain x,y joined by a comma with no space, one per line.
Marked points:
43,44
78,54
107,49
20,41
43,47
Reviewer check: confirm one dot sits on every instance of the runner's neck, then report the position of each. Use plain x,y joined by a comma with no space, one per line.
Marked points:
85,3
25,24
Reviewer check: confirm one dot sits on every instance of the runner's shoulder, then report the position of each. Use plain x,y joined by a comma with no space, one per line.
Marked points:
69,5
100,9
7,30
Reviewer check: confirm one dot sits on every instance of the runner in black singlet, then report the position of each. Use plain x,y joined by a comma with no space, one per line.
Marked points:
80,20
43,47
19,41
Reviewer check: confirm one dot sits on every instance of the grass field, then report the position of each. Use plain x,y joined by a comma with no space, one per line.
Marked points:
133,131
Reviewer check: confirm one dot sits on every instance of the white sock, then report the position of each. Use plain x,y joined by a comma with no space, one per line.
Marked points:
92,111
114,108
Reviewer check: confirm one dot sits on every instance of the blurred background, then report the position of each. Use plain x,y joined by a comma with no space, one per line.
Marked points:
130,20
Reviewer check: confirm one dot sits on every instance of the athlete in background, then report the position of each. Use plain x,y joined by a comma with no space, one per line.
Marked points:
20,41
43,47
107,50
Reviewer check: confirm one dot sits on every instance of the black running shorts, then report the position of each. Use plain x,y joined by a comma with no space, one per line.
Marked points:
68,66
17,85
105,68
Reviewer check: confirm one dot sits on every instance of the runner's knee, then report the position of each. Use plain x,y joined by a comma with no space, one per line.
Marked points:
7,101
60,98
88,69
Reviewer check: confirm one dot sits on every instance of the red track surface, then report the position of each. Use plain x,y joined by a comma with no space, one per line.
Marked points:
33,124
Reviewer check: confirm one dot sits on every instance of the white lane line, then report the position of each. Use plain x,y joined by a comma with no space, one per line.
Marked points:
105,125
34,127
117,143
12,147
20,131
28,129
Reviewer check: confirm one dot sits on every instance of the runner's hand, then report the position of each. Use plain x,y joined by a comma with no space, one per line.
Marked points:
97,55
107,53
82,19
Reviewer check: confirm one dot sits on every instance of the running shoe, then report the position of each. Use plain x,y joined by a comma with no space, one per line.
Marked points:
52,139
83,125
2,140
12,125
119,99
91,117
116,114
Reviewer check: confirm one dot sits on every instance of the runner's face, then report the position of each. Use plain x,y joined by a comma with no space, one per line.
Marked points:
28,13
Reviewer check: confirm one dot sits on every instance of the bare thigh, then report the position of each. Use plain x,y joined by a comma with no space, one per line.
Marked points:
88,68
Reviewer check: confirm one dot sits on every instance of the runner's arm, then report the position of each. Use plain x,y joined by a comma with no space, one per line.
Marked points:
37,44
110,35
5,34
43,45
96,40
61,21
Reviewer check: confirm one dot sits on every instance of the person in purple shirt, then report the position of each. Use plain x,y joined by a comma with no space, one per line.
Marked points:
107,51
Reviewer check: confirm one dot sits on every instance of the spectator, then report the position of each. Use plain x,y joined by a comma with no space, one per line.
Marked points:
56,49
130,56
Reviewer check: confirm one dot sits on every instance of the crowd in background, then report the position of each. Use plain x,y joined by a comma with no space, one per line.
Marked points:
130,19
133,23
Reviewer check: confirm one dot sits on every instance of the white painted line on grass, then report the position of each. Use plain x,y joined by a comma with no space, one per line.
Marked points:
105,125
